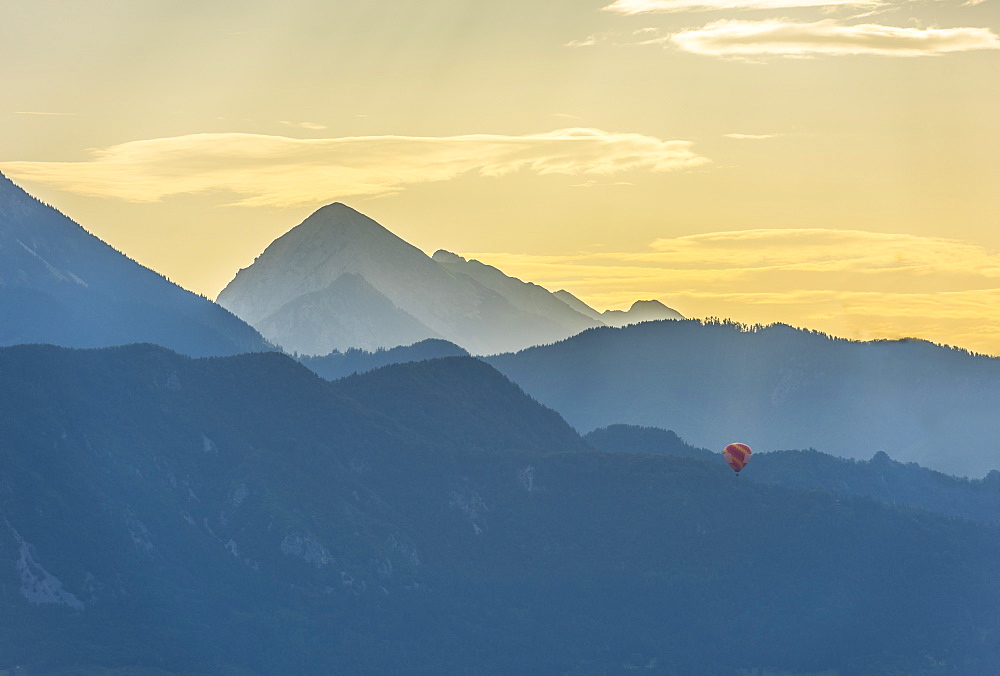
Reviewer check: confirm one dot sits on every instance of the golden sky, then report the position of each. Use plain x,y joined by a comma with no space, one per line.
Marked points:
833,164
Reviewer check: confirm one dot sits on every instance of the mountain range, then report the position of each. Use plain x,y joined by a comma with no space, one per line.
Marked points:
774,387
240,515
417,510
59,284
339,280
880,478
342,279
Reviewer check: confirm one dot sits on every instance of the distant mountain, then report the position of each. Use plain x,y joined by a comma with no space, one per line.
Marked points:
880,478
163,515
578,305
774,388
59,284
309,324
340,364
295,293
339,280
641,311
525,296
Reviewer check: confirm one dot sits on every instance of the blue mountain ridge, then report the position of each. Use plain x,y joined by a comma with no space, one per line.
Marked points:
59,284
162,514
774,387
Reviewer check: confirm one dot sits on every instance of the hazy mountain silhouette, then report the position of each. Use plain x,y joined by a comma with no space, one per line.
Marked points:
340,364
59,284
577,304
525,296
880,478
347,312
774,388
240,515
430,302
339,280
641,311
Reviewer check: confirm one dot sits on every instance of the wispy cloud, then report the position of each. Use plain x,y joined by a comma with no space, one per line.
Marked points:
303,125
588,41
775,37
281,171
823,250
671,6
708,258
848,282
751,137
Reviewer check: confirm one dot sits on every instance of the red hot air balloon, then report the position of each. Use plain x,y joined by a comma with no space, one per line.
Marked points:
737,456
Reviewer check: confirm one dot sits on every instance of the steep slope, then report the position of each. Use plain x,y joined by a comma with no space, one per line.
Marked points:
525,296
162,515
577,304
337,240
775,388
61,285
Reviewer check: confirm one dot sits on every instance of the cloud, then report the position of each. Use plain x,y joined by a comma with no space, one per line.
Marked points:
303,125
751,137
856,252
588,41
707,258
281,171
853,283
670,6
775,37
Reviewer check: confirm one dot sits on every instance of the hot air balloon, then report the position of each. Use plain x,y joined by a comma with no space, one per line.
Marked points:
737,456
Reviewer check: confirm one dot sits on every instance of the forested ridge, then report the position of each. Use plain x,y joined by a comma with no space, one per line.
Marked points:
241,515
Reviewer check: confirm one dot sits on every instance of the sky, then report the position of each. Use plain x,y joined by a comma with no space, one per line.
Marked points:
830,164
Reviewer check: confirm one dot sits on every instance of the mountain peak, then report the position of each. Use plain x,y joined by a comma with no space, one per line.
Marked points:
336,208
650,304
332,232
442,256
646,310
337,217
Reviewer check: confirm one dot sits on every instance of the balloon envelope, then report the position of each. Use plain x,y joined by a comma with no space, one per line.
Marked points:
737,455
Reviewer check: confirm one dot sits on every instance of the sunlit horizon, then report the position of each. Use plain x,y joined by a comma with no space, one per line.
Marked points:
827,165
